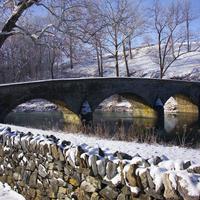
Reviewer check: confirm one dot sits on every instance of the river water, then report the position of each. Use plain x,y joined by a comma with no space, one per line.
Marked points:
180,129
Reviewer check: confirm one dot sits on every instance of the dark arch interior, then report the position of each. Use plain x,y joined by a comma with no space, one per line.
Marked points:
42,114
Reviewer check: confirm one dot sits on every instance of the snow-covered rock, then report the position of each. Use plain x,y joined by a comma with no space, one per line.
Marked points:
171,105
6,193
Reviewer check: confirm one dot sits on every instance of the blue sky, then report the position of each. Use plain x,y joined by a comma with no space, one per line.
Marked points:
195,7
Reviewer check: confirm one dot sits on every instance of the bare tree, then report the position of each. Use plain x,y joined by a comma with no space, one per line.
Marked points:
95,29
189,17
131,28
67,18
187,20
54,54
135,25
169,25
116,13
125,57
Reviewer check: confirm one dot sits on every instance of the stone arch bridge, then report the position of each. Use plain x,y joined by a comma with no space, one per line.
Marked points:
72,92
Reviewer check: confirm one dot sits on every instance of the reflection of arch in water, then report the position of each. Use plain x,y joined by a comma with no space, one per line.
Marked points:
68,117
126,102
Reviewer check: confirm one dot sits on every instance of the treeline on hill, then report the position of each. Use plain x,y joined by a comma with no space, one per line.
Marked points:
37,36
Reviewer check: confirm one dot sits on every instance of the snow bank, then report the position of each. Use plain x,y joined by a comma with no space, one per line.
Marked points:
111,146
36,105
6,193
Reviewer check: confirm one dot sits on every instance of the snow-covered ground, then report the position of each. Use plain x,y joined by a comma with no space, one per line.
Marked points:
142,65
113,104
110,146
6,193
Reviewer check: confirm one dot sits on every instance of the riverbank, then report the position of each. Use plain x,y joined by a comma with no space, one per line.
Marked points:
36,105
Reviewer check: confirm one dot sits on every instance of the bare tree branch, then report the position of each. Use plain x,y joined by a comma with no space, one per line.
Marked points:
10,25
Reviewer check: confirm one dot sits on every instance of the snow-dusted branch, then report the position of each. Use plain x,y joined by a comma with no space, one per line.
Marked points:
17,12
38,34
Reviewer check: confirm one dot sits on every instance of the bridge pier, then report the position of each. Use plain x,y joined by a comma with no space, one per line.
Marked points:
199,111
2,119
159,108
86,114
3,115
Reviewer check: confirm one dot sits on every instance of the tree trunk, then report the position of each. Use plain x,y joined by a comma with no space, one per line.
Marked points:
172,44
52,70
116,53
188,33
125,59
52,61
187,20
161,72
116,62
71,51
98,60
130,48
101,60
160,55
38,65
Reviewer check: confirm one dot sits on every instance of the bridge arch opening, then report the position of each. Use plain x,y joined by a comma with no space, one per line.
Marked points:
180,111
43,114
125,108
126,103
124,116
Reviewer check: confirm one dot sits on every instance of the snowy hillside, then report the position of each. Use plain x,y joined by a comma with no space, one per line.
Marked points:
142,65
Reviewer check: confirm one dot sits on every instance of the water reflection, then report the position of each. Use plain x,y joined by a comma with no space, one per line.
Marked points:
172,121
41,120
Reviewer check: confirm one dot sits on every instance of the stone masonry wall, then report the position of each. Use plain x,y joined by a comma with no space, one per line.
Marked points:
43,167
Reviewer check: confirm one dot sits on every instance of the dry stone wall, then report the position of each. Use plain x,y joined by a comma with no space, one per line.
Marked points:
44,167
